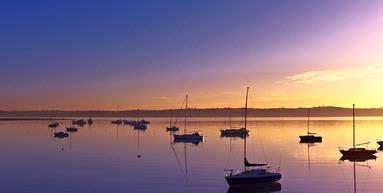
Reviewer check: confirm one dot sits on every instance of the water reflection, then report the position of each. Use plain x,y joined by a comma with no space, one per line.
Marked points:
256,188
358,163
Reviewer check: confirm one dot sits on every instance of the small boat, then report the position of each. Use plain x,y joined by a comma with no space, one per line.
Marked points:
71,129
258,175
90,121
310,137
187,137
53,125
355,152
140,126
172,128
234,132
241,132
117,122
80,122
60,134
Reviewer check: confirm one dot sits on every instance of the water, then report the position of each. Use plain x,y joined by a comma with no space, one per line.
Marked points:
110,158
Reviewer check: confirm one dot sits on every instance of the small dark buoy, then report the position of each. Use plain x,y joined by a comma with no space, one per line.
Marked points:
62,149
139,156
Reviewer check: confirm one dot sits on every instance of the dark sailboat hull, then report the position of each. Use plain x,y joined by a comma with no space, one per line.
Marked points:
232,181
358,155
310,139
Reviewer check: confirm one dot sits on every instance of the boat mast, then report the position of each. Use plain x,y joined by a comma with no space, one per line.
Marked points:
308,121
247,96
186,109
353,125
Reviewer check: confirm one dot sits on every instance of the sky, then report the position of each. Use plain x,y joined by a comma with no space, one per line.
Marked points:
104,55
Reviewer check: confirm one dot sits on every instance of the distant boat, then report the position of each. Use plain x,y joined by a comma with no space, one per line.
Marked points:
90,121
53,124
259,175
234,132
172,126
241,132
354,152
187,137
60,134
140,126
79,122
310,137
71,129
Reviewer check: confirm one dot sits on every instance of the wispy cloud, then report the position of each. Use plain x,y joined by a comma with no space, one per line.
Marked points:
335,74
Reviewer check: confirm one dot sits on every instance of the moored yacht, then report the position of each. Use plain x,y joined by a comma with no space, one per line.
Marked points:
53,124
241,132
356,152
252,173
187,137
310,137
80,122
60,134
71,129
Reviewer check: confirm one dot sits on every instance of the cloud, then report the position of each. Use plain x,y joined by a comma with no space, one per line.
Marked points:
320,76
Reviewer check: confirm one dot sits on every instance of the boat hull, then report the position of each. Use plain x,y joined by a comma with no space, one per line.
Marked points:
188,138
234,133
310,139
357,155
172,129
233,181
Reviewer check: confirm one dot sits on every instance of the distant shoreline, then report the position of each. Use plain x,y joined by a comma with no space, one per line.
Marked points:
207,112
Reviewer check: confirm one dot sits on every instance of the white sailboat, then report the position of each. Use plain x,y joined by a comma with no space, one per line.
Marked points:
252,173
187,137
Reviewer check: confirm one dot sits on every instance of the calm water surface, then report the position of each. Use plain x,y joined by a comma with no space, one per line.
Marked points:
110,158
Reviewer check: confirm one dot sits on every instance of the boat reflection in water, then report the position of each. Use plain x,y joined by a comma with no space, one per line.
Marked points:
256,188
355,161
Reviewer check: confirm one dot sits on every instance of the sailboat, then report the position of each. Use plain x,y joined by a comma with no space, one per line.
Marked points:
253,173
310,137
71,128
188,137
356,152
234,132
53,124
172,127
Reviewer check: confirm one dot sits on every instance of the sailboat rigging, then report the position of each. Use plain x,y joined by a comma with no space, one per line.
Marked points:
234,132
310,137
172,126
193,137
356,153
248,175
